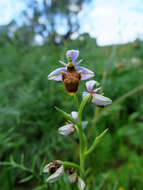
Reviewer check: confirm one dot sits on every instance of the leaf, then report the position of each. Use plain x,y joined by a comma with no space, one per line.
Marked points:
66,116
26,179
22,159
133,116
96,142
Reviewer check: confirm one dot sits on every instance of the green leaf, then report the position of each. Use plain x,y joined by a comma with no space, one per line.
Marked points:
96,142
41,187
82,105
22,159
66,116
26,179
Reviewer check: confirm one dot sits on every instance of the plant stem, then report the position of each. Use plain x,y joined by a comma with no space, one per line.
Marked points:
76,101
71,164
82,147
82,138
82,160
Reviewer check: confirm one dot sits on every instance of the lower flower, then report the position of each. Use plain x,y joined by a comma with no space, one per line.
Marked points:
69,128
75,179
97,99
55,169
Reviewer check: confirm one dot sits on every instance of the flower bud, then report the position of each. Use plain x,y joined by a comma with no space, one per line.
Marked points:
67,130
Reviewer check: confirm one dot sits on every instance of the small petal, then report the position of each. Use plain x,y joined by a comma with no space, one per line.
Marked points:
66,129
55,176
46,169
100,100
90,85
72,53
81,184
85,94
84,124
75,115
63,63
57,74
85,73
73,178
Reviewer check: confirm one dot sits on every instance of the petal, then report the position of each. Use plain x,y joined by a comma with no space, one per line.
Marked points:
90,85
57,74
73,178
81,184
84,124
85,94
63,63
85,73
55,176
66,129
74,115
46,168
100,100
72,53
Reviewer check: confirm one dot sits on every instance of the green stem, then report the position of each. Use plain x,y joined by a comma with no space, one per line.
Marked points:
71,164
82,137
76,101
82,149
82,159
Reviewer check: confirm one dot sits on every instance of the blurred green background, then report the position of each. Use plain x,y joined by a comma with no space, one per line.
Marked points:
29,121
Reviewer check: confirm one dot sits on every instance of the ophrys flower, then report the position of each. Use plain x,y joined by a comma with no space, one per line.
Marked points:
69,128
97,99
71,73
55,169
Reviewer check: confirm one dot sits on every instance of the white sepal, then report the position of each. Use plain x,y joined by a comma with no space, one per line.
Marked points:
81,184
67,129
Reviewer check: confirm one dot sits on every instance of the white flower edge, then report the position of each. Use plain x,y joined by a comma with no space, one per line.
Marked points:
81,184
66,129
100,100
55,176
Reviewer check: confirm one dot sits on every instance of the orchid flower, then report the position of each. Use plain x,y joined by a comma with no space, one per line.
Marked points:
75,179
97,99
71,73
69,129
56,169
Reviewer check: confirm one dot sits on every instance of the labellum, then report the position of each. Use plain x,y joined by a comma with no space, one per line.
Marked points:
71,78
54,166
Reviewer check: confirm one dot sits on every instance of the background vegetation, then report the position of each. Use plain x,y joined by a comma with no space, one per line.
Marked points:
29,121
